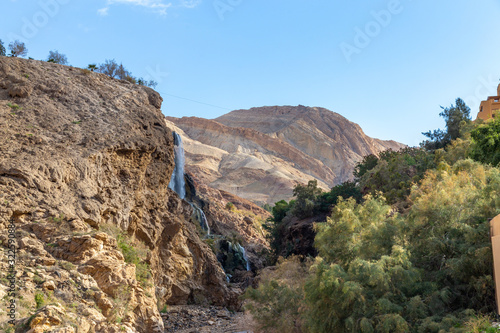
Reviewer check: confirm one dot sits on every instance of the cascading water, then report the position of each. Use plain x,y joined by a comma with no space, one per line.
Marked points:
201,218
177,182
240,249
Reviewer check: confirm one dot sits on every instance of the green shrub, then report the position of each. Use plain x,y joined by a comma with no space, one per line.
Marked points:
39,300
486,143
230,206
278,302
135,253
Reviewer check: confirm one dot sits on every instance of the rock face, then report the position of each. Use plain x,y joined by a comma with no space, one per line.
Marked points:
262,153
81,154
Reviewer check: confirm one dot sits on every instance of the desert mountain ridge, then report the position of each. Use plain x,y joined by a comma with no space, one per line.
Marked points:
262,153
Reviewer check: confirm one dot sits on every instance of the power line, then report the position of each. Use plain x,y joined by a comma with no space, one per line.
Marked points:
194,101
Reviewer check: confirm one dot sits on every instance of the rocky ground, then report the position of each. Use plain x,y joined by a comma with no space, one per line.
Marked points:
194,319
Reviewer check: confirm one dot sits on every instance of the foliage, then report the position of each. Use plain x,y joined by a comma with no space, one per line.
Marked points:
307,199
427,270
135,255
230,206
448,226
486,143
58,58
367,164
395,173
39,300
277,303
18,49
479,324
348,189
92,67
2,49
144,82
275,226
112,69
109,67
363,280
456,118
134,252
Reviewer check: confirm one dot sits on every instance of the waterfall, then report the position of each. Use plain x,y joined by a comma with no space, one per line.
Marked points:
200,217
241,249
177,182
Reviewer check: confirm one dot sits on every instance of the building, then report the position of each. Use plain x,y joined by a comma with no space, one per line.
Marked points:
489,107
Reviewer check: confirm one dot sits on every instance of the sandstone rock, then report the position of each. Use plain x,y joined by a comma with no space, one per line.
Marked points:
49,285
46,319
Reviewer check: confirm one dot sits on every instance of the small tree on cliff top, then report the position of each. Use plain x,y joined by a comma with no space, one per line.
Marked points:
2,48
18,49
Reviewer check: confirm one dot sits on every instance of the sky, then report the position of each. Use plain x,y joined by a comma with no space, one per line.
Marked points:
387,65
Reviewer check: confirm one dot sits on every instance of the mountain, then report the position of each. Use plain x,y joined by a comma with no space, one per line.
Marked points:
102,243
260,154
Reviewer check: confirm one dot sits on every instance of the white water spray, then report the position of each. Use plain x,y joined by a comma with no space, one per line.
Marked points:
200,217
177,182
241,249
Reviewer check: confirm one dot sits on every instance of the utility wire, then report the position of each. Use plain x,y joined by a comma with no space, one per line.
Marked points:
192,100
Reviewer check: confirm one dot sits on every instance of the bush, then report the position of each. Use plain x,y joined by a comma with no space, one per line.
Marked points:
230,206
370,277
278,303
39,300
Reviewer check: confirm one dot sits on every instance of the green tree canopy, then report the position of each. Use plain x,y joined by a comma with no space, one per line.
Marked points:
307,199
456,117
486,143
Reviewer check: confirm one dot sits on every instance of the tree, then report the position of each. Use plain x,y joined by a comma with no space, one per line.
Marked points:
395,173
92,67
345,190
307,199
275,226
110,68
18,49
368,163
58,58
456,118
2,48
150,83
486,143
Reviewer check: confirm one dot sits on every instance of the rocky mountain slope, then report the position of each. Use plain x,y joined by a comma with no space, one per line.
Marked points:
103,244
262,153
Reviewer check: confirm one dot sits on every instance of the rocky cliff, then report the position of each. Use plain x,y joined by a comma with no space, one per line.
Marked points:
85,162
262,153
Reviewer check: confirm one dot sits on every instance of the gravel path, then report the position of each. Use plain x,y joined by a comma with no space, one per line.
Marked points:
194,319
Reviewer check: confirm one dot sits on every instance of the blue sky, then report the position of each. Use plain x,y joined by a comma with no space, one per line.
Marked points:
386,65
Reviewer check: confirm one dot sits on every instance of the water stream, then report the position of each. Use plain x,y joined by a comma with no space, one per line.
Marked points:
177,182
